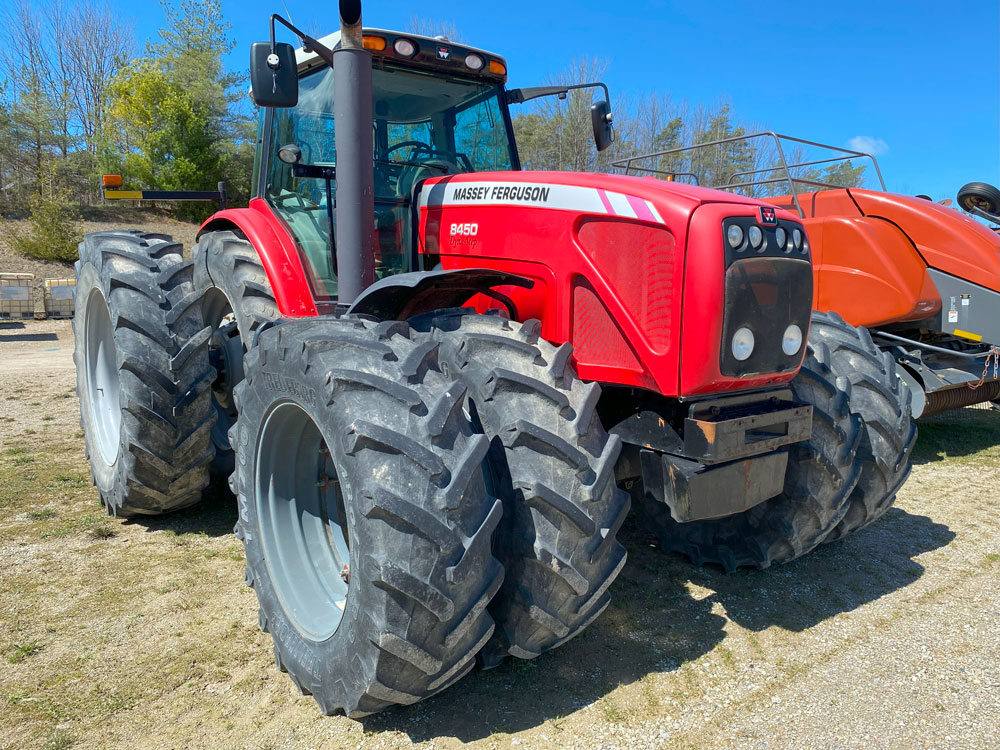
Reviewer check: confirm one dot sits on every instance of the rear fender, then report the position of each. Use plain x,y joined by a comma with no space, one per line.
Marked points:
277,251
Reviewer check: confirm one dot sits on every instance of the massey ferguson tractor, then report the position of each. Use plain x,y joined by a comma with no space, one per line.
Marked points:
921,277
432,375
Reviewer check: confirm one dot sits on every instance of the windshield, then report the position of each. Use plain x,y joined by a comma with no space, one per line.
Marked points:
425,125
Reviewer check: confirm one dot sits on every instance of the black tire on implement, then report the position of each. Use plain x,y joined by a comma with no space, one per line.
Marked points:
231,280
821,474
155,448
980,195
383,425
882,401
553,466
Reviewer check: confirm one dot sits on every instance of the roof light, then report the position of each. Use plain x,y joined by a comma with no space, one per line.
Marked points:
405,48
111,180
373,43
474,62
498,68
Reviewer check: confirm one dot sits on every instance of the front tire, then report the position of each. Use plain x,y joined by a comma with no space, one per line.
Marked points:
554,469
352,451
143,376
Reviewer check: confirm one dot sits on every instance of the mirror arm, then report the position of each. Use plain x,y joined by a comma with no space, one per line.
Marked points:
308,43
519,96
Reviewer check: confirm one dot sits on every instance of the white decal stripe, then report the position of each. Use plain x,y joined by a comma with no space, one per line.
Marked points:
564,197
620,204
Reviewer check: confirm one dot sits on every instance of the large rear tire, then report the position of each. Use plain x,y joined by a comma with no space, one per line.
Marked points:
364,513
236,300
819,479
554,469
882,401
143,375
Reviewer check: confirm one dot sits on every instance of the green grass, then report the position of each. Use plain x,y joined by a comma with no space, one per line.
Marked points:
22,651
58,739
42,514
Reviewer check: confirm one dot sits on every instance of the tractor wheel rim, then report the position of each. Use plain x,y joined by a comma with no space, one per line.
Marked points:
303,530
102,377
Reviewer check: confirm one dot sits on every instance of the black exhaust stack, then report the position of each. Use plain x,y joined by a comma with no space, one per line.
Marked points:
352,115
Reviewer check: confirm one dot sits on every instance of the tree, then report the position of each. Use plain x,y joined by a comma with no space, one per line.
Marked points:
178,118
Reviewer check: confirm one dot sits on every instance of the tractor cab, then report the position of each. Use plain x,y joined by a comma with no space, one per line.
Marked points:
438,109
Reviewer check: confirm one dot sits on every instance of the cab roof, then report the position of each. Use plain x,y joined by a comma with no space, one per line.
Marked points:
306,60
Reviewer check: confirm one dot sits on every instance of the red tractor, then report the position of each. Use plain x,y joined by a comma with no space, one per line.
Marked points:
431,374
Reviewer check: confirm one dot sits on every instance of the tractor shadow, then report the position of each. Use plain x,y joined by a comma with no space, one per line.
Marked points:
962,432
214,516
656,622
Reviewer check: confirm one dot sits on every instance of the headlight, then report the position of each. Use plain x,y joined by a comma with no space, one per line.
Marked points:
791,342
797,238
756,236
474,62
735,236
743,343
780,236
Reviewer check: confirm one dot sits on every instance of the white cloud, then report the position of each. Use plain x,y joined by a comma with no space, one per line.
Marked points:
868,145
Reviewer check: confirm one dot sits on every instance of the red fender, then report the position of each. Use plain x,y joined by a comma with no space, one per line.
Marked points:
277,251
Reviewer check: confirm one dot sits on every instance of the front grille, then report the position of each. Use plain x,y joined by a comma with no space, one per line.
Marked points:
766,295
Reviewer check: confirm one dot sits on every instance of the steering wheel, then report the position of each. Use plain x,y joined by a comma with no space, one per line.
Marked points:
415,145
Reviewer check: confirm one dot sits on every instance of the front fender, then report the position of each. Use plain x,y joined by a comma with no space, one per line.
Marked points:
405,295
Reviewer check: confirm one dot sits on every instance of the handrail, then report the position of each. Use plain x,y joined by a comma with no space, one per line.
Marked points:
628,163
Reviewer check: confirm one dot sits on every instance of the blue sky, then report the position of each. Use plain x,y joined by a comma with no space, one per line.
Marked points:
921,79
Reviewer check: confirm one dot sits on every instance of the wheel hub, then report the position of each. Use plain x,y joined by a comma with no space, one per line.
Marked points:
102,377
303,528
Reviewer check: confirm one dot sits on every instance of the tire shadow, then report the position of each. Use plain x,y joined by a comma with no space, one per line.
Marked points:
832,579
653,625
961,432
214,516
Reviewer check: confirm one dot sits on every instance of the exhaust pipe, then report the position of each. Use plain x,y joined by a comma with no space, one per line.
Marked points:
352,116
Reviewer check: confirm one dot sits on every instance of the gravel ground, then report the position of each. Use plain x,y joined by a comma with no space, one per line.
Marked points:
141,634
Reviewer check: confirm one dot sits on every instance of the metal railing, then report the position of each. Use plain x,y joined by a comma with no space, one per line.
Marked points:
783,165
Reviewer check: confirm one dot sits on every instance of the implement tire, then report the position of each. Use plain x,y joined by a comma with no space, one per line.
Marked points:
363,512
819,480
236,300
143,375
553,467
882,401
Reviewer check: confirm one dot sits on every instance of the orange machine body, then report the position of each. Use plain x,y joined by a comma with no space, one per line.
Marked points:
871,252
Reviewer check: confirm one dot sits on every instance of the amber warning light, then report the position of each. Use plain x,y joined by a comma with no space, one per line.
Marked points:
111,180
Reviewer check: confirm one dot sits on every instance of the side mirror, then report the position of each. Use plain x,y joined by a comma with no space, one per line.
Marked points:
601,117
274,78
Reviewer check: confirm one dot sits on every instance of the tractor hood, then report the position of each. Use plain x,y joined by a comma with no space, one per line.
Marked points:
626,269
947,239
